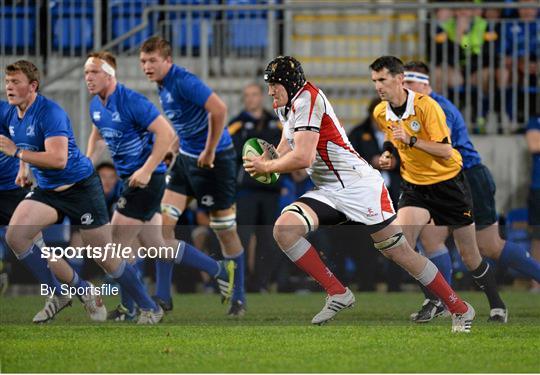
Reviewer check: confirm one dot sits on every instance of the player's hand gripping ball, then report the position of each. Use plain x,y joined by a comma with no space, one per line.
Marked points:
257,147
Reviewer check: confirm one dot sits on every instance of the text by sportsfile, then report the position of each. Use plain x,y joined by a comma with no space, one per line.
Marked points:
109,251
70,291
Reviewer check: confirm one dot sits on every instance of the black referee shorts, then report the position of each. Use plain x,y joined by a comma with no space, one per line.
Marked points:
448,202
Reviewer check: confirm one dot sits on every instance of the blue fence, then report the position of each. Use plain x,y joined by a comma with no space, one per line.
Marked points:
68,25
18,25
72,24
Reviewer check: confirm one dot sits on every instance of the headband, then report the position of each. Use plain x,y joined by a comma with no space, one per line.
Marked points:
106,67
416,77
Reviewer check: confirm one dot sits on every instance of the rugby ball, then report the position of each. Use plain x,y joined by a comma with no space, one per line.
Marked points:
256,147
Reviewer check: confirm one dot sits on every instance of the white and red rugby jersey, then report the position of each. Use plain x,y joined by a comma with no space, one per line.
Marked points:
337,165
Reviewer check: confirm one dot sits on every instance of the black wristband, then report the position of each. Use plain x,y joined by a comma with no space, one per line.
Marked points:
388,146
17,152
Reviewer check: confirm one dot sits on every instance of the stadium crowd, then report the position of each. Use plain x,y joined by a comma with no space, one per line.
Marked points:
465,42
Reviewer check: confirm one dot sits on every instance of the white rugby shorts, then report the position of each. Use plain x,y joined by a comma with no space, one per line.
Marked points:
366,201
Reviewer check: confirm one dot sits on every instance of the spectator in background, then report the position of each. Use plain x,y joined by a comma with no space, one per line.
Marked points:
533,143
492,15
520,44
520,37
298,183
367,140
463,38
257,204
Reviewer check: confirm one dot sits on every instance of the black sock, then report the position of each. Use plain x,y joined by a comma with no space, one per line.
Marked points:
484,277
428,294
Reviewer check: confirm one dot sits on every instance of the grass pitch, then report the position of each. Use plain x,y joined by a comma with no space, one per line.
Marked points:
275,336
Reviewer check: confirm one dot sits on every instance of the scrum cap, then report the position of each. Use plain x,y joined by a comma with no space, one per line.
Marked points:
287,71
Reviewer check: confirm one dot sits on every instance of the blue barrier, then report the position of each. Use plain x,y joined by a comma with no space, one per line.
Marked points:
17,27
126,15
72,24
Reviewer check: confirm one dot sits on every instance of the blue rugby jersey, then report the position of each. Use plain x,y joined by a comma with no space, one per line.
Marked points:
8,165
519,38
534,124
459,133
182,96
123,123
42,120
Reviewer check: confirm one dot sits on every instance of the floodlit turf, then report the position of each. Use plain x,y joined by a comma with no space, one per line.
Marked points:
275,336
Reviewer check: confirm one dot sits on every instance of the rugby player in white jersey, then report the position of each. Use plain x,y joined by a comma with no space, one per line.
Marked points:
347,189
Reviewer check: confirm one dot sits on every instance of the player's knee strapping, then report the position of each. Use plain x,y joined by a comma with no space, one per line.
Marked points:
171,211
303,215
224,223
391,242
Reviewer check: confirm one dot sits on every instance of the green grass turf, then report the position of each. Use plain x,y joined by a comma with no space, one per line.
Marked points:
275,336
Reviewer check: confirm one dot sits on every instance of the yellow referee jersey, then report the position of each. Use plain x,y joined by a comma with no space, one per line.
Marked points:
424,119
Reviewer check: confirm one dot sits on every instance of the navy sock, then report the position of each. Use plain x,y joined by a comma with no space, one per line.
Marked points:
192,257
484,277
238,291
516,256
3,245
441,259
164,272
32,259
126,275
77,282
3,248
126,300
140,267
77,264
222,273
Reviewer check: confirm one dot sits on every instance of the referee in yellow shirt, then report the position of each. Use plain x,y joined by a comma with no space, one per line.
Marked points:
434,186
